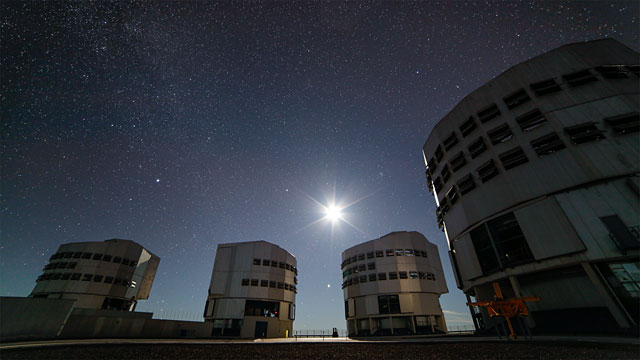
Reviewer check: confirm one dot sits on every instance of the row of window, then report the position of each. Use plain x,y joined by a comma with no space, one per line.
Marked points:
381,253
92,256
543,146
270,284
393,275
87,277
521,96
275,264
387,304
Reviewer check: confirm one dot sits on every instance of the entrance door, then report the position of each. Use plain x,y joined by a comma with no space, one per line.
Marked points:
261,329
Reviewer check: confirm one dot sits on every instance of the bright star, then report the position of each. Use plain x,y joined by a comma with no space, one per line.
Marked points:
333,213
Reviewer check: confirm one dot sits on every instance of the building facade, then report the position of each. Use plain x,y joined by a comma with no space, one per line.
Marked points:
253,291
109,275
392,286
535,178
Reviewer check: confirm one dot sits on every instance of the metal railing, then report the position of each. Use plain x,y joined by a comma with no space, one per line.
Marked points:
318,333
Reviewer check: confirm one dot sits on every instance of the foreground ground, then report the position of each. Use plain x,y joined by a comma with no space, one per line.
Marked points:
368,351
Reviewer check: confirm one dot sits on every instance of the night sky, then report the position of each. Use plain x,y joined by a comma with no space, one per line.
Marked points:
183,125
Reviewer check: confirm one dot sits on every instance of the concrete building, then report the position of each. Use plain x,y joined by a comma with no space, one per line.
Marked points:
253,291
535,178
109,275
392,286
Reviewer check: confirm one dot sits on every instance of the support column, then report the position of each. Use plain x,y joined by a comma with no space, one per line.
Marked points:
610,301
413,324
473,313
528,321
391,324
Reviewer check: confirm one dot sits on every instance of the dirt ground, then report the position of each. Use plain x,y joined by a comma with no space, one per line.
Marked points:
366,351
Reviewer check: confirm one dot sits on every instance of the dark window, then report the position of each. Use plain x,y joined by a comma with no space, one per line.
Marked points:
489,113
431,164
255,282
624,124
389,252
423,253
403,274
437,184
348,261
97,256
579,77
584,132
106,258
445,174
612,71
288,267
133,263
245,282
513,158
72,265
388,304
382,276
272,284
280,285
55,276
86,255
87,277
438,154
444,206
363,279
458,161
393,275
516,99
257,261
626,238
117,259
452,195
371,266
370,255
261,308
634,69
67,255
466,184
75,276
408,252
413,275
346,309
356,280
65,276
97,278
125,261
286,286
399,252
360,256
349,282
531,120
545,87
500,134
354,258
362,267
274,263
477,147
372,277
281,265
468,126
266,262
450,141
547,144
487,171
379,253
77,255
421,275
264,283
108,279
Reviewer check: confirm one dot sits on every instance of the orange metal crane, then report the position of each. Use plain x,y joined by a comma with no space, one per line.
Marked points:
506,308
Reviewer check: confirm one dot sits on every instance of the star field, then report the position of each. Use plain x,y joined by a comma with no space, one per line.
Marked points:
182,125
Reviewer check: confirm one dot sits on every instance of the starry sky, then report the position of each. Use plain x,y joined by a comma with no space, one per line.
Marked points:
183,125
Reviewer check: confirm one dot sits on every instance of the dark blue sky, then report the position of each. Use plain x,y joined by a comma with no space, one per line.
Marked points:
182,125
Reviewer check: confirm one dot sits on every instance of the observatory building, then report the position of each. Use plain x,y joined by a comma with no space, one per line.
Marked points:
535,179
253,291
392,286
108,275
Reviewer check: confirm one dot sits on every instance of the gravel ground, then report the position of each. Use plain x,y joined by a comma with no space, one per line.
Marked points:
458,351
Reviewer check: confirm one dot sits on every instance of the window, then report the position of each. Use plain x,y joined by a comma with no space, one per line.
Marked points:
125,261
389,252
488,113
388,304
371,266
292,311
286,286
423,253
288,266
87,277
477,147
487,171
363,279
431,276
408,252
468,126
516,99
545,87
466,184
266,262
379,253
624,124
500,243
399,252
513,158
86,255
370,255
255,282
65,276
612,71
348,261
133,263
421,275
280,285
362,267
547,144
531,120
634,69
349,282
97,278
444,206
625,238
360,256
356,280
458,161
584,132
264,283
55,276
261,308
274,263
77,254
450,141
403,274
452,195
108,279
579,78
272,284
106,258
72,265
281,265
437,184
431,164
117,259
257,261
245,282
416,252
500,134
67,255
413,275
438,154
445,174
76,276
382,276
354,258
393,275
